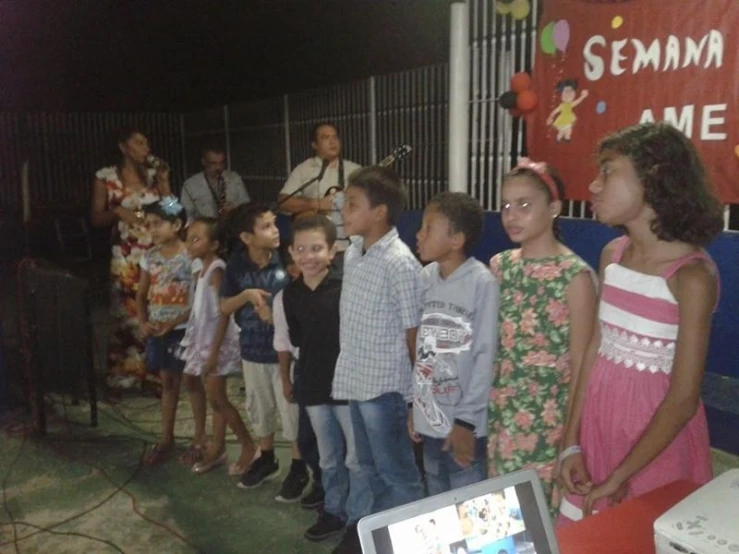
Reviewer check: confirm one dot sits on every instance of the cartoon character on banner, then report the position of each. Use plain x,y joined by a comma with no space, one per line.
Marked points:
565,112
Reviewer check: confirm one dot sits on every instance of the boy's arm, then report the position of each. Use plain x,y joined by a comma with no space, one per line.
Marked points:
282,344
410,335
285,359
405,292
232,299
479,378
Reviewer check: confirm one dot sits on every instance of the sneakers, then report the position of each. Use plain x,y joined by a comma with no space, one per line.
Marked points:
314,498
261,470
327,526
349,542
294,484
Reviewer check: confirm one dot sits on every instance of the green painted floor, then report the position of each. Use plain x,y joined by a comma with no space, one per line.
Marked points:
84,481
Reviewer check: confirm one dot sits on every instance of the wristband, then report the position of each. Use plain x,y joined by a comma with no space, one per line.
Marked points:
569,451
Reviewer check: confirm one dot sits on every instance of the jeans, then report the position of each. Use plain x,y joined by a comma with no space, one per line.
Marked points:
307,443
347,489
385,451
444,474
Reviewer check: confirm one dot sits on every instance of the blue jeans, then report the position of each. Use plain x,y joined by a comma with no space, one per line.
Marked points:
347,487
307,443
385,451
444,474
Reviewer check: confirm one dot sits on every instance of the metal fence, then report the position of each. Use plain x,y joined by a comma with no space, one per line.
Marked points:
63,151
266,139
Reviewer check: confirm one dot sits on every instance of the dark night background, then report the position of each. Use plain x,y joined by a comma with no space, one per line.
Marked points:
111,55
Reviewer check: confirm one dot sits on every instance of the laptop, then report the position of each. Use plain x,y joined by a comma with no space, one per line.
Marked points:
504,515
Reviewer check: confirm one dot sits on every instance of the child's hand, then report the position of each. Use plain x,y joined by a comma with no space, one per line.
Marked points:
574,475
257,297
149,329
550,120
461,443
210,367
611,489
287,390
164,327
584,94
265,313
415,437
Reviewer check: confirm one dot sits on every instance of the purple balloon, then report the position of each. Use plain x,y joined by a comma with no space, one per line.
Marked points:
561,35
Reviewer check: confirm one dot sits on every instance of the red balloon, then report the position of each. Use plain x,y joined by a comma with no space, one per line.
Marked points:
520,82
527,101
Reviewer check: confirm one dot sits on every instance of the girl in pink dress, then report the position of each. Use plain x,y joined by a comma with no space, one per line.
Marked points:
211,353
637,421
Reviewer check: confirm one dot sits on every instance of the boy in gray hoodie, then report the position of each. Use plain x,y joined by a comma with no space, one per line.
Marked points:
455,347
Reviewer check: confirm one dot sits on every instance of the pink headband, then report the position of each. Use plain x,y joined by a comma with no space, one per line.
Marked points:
540,168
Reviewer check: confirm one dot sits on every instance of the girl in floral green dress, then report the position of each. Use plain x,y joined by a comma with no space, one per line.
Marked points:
547,310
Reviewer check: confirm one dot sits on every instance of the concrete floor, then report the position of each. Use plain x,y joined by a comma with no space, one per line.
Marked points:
68,482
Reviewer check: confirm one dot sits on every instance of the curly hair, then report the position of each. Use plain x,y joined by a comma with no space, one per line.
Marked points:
464,214
675,182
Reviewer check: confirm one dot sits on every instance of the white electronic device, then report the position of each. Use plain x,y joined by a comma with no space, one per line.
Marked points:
706,522
506,514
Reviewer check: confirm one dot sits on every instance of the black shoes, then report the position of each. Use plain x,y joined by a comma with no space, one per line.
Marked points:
314,498
262,469
294,484
327,526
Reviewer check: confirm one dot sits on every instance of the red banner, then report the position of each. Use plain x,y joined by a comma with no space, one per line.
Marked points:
602,67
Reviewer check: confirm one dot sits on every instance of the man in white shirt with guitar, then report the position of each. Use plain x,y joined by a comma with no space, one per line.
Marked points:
330,175
320,195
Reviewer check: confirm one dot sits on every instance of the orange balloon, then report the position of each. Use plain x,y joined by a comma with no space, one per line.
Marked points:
527,101
520,82
515,112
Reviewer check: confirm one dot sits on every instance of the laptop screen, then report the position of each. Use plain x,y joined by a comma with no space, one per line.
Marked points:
505,521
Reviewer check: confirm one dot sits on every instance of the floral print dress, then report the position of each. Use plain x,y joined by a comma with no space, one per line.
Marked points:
528,403
126,344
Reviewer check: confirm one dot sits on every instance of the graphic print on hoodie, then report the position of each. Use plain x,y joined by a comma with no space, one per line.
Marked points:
455,349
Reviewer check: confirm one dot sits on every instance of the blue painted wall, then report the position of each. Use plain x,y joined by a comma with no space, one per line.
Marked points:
587,238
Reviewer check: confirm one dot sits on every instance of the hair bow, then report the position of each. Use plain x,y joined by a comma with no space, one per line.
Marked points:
171,206
540,168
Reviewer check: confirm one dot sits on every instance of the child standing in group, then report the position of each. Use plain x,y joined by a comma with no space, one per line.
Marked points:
312,312
547,309
287,357
211,353
380,313
648,354
254,274
456,345
162,306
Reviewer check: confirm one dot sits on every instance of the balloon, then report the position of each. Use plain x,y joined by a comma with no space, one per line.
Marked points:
520,9
600,107
546,40
507,100
561,35
520,82
526,101
616,22
504,7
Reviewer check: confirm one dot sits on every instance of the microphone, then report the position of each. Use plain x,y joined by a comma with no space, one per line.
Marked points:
155,163
324,165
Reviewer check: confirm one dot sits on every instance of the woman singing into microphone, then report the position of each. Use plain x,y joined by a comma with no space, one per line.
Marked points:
119,195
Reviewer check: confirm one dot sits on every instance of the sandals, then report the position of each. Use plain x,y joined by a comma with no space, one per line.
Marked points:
205,467
159,454
192,455
237,470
